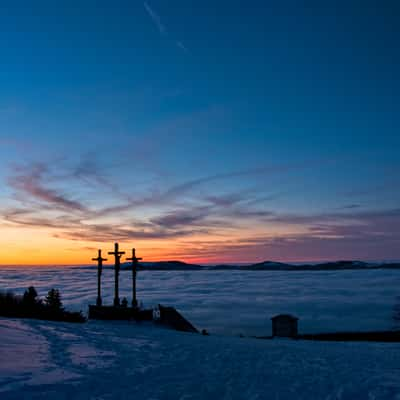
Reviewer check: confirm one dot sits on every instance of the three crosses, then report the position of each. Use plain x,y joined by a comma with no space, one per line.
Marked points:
117,255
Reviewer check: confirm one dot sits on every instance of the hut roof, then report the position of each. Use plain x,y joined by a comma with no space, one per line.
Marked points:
284,316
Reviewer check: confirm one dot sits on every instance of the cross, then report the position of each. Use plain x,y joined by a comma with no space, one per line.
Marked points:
134,260
117,254
99,260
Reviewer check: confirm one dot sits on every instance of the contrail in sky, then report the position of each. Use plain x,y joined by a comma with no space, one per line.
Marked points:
156,19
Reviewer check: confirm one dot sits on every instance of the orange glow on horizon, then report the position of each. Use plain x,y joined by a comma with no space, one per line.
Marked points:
40,247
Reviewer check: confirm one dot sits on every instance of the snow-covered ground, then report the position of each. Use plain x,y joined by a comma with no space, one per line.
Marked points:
42,360
235,302
121,360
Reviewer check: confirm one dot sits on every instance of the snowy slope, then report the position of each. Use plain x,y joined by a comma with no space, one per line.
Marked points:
41,360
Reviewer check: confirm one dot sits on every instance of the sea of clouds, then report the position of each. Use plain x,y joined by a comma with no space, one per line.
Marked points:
234,302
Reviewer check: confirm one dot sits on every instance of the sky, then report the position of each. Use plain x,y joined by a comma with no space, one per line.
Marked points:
204,131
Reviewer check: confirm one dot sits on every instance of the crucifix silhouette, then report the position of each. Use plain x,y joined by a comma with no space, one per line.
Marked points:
117,254
99,260
134,260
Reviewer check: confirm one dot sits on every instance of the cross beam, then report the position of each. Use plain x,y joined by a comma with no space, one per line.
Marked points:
99,260
134,260
117,254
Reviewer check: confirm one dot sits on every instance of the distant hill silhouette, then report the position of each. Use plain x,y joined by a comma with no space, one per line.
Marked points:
163,266
262,266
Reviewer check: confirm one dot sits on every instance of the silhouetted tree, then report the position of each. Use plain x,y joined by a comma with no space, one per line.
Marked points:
30,296
53,301
9,303
29,306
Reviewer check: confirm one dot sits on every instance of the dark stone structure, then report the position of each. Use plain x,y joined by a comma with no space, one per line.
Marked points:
119,313
171,317
168,316
284,325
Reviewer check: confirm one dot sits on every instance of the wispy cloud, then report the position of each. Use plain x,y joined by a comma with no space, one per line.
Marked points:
90,172
28,217
110,233
189,210
74,228
183,217
262,170
156,19
179,191
41,202
350,207
31,183
365,236
38,187
182,46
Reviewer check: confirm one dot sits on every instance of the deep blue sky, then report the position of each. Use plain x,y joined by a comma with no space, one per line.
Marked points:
279,118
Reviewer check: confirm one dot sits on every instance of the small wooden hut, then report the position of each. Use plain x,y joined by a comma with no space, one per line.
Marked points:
284,325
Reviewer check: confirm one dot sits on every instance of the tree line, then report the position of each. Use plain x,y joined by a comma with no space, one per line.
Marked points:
29,305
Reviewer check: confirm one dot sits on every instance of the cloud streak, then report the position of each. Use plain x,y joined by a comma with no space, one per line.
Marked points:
30,183
110,233
374,238
183,214
156,19
182,46
181,218
162,29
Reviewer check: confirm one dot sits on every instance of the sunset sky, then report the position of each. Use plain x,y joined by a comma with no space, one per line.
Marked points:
205,131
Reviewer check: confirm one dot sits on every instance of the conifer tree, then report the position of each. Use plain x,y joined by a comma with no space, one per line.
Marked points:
53,300
30,296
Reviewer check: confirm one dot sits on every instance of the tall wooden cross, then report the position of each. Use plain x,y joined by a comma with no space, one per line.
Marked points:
134,260
117,254
99,260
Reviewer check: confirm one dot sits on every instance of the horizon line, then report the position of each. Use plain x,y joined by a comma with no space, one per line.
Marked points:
383,261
